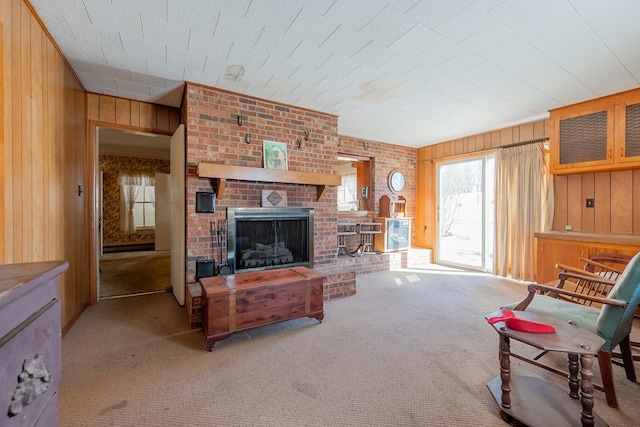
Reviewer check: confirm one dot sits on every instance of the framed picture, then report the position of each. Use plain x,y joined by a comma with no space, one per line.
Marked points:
275,155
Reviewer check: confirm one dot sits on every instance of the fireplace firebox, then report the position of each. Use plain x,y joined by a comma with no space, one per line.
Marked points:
266,238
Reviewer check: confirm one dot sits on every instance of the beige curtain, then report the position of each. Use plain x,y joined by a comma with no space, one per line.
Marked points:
130,183
524,206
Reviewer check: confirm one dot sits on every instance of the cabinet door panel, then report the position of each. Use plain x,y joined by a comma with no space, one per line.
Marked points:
552,252
632,131
627,131
581,138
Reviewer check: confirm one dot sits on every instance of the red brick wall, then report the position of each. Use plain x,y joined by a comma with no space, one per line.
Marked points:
213,134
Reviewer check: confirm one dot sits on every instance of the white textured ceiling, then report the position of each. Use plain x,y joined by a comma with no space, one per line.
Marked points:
406,72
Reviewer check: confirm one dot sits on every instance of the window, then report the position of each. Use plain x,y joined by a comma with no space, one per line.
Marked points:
348,189
353,192
137,202
144,208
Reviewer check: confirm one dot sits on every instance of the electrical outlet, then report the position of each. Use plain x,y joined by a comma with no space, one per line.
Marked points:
591,203
567,227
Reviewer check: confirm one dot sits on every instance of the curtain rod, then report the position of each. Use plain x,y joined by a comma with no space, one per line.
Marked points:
515,144
531,141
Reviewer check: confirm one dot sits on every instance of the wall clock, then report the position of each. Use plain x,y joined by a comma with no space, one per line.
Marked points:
397,181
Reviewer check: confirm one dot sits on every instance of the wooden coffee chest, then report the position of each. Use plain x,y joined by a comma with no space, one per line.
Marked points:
247,300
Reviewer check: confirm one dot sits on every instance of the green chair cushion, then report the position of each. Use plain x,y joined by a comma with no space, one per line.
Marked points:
584,316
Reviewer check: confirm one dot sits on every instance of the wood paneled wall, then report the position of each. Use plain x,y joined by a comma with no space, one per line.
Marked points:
43,156
429,156
127,114
616,197
47,157
485,141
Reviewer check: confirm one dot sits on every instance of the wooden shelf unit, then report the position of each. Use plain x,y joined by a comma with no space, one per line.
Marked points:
245,173
395,236
392,206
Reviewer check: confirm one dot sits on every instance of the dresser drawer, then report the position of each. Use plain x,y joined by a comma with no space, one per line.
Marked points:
37,338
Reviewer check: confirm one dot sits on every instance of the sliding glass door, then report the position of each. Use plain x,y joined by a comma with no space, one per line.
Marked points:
465,213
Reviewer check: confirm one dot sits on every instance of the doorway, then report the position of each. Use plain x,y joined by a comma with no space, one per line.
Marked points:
466,213
132,261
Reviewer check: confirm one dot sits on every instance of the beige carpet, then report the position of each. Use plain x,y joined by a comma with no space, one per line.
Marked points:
127,273
411,348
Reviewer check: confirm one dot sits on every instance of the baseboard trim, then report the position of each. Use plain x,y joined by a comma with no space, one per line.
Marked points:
129,247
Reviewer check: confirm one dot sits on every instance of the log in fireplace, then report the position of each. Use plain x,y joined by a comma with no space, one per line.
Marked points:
264,238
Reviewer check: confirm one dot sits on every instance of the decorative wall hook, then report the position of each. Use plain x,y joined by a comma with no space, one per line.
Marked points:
247,138
239,119
306,135
365,144
298,142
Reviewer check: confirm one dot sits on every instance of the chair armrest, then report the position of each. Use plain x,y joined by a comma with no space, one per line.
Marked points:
534,288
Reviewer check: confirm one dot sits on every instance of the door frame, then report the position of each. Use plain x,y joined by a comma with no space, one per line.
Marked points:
177,196
93,204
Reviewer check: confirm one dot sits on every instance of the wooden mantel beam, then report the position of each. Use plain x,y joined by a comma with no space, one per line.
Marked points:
245,173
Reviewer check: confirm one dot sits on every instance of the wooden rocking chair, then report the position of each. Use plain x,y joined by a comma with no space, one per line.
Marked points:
610,315
608,265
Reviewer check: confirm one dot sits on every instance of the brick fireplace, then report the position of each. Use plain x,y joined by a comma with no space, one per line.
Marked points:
214,134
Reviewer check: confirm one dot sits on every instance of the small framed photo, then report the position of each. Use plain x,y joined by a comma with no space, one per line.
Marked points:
275,155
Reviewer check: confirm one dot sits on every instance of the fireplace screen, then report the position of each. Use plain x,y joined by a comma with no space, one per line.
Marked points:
263,238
